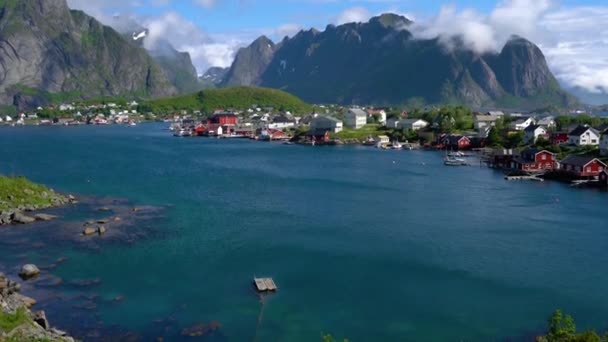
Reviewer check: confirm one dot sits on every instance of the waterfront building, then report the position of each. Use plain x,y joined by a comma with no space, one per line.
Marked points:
326,123
534,160
582,166
456,142
604,144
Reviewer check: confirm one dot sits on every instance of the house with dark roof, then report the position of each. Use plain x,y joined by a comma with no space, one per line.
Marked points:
582,166
533,132
534,160
584,136
521,124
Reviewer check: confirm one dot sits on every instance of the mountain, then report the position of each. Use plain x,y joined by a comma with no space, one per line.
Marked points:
382,63
214,75
49,51
176,65
590,98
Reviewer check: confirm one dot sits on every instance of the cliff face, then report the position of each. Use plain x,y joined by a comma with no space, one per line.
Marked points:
47,48
380,62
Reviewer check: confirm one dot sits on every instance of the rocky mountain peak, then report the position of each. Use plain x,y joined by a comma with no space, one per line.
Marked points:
392,20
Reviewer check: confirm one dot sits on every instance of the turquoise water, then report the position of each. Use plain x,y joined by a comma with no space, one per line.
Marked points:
364,244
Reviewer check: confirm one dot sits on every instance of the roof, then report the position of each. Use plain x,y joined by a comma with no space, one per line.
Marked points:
326,118
487,118
496,112
532,128
454,139
282,119
358,112
521,121
412,121
580,130
579,160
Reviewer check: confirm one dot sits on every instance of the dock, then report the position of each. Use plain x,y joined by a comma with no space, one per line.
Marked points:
265,284
522,178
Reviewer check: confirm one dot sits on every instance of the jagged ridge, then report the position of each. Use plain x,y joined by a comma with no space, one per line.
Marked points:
380,62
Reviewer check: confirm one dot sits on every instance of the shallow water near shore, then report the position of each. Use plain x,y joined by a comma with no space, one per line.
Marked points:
363,244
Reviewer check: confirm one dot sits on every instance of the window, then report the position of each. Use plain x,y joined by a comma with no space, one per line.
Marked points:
544,157
594,141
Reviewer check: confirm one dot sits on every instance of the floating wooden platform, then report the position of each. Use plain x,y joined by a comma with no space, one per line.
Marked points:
265,284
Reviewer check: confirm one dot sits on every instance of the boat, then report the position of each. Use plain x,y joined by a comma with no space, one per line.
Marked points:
396,145
456,154
183,133
451,161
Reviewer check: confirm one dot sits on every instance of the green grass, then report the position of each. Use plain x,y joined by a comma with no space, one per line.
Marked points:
16,191
236,97
8,322
366,131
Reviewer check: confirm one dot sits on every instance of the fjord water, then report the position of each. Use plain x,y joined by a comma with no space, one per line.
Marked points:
365,244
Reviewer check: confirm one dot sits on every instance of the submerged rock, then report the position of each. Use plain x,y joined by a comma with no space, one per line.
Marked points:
201,329
44,217
29,271
101,230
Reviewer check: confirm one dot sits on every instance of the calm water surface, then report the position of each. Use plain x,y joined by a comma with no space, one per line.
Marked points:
364,244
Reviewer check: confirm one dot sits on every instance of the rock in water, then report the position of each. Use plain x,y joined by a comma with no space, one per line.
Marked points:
89,231
44,217
29,271
101,230
18,217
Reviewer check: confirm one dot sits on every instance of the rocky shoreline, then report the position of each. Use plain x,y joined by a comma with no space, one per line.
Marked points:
17,321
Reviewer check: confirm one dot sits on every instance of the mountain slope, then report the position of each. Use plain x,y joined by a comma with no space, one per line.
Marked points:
47,48
380,62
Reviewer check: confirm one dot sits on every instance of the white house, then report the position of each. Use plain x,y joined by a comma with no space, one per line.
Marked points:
584,136
482,121
65,107
326,123
521,124
604,144
547,121
356,118
412,124
533,132
379,113
8,119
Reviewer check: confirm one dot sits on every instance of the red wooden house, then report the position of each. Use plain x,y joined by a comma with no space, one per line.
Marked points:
559,138
534,160
223,119
318,136
583,166
456,142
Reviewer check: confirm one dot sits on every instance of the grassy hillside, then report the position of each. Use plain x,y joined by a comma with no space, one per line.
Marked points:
236,97
18,191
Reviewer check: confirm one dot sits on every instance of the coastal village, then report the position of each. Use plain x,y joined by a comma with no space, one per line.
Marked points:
529,146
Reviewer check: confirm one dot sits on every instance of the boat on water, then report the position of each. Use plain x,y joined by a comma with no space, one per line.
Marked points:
452,161
182,133
456,154
396,145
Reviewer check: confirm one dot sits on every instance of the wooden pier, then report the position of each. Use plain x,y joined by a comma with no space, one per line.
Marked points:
265,284
523,178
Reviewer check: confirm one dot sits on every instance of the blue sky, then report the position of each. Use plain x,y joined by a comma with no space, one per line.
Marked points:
573,34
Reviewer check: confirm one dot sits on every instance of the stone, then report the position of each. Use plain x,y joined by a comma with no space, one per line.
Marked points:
117,219
39,317
28,302
89,231
44,217
102,221
201,329
101,230
3,282
71,198
29,271
18,217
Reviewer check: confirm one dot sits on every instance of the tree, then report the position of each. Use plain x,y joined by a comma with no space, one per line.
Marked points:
494,138
542,142
561,327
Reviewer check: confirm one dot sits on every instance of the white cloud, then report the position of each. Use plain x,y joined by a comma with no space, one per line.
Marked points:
353,15
574,39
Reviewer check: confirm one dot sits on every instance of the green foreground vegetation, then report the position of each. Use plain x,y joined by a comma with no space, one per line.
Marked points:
18,191
561,328
240,98
8,322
